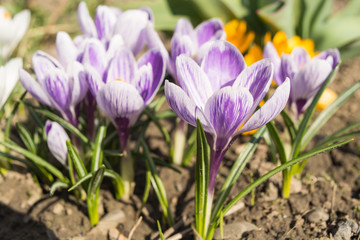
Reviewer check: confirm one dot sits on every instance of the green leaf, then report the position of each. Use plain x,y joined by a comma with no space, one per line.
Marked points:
65,124
337,138
57,185
160,231
309,113
266,176
275,136
73,155
117,182
157,185
146,189
113,153
289,125
201,181
96,180
26,137
327,113
35,159
97,155
235,172
12,114
93,195
81,180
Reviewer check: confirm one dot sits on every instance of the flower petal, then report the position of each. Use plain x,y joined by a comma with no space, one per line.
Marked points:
94,54
86,23
93,79
181,44
212,29
10,78
153,61
78,83
56,141
118,99
57,86
226,110
257,79
122,66
331,55
34,88
65,48
193,80
299,56
184,27
269,110
130,26
105,19
222,64
116,43
270,52
43,64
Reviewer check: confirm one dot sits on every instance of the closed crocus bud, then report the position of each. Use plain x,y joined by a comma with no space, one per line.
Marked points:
12,30
9,75
56,140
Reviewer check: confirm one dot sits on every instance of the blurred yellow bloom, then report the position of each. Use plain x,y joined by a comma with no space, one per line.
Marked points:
252,132
327,98
236,33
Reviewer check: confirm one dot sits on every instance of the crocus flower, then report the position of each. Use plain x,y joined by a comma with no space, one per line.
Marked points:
56,141
193,42
223,94
61,84
9,75
110,21
128,87
12,30
306,74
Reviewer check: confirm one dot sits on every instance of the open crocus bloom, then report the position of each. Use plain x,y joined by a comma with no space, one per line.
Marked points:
223,94
110,21
61,85
56,141
306,74
193,42
9,75
12,30
128,87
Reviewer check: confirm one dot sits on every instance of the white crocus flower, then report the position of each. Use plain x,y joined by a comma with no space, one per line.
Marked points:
12,29
9,76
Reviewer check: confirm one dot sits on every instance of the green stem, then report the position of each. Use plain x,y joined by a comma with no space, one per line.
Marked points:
179,142
287,175
127,173
93,203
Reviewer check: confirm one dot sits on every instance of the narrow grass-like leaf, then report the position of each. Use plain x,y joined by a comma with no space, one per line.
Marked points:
65,124
96,180
339,132
266,176
275,136
57,185
117,182
113,153
12,114
81,180
158,185
35,159
190,150
161,235
165,114
272,148
235,172
337,138
289,125
146,189
97,156
76,160
327,113
26,137
308,114
93,195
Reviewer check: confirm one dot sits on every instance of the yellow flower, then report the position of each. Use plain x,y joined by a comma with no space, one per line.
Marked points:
252,132
236,33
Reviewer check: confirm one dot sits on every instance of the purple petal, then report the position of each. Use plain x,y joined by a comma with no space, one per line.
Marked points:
180,103
86,23
116,43
94,55
93,79
300,56
130,26
257,79
79,86
43,64
65,48
270,52
184,27
181,44
57,87
193,80
226,110
309,79
56,141
118,99
331,55
154,65
122,66
211,29
149,13
34,88
222,64
105,19
270,109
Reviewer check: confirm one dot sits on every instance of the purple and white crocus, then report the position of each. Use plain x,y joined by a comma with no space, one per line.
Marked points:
61,84
306,74
129,25
223,94
56,141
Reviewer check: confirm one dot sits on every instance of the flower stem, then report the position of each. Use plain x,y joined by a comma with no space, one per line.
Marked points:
179,142
127,174
286,183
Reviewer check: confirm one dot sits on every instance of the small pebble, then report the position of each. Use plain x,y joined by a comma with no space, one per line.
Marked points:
235,230
58,209
316,216
346,229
